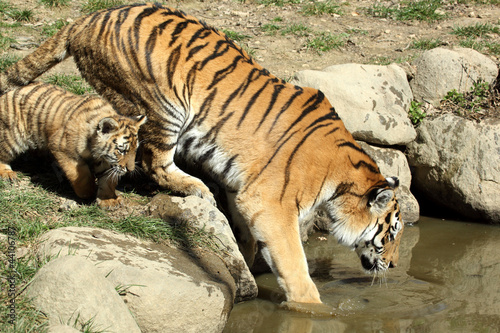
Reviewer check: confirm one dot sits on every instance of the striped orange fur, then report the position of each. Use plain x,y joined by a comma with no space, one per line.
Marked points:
85,134
280,151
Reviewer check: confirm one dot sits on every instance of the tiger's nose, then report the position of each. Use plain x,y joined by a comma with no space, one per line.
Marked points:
392,264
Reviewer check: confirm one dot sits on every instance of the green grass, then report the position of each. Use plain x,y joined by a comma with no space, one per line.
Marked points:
469,102
478,37
7,61
5,41
73,83
299,30
94,5
51,30
326,41
422,10
316,8
278,3
270,29
21,15
477,30
54,3
31,210
426,44
236,36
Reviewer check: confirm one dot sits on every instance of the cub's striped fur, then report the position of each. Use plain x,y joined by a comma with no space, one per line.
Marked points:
280,151
85,135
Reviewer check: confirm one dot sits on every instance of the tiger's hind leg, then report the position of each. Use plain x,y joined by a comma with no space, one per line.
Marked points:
158,161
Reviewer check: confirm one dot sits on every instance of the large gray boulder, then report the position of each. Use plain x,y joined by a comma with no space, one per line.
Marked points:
166,289
70,290
441,70
200,214
455,162
372,101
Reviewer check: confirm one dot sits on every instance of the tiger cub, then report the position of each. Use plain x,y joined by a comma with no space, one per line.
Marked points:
279,151
85,134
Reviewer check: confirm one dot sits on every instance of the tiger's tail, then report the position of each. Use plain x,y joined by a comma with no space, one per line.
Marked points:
49,54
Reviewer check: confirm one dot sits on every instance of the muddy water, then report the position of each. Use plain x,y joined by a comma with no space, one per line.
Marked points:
448,280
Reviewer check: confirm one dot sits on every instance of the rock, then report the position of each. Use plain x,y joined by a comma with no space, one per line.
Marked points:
200,214
373,101
166,289
62,329
71,290
392,162
455,162
441,70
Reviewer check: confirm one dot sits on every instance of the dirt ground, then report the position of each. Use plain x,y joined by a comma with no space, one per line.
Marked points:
368,39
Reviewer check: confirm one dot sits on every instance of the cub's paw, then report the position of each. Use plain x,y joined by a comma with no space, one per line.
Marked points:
9,175
110,203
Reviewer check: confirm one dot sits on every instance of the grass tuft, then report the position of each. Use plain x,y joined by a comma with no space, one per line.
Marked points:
73,83
326,41
317,8
423,10
94,5
54,3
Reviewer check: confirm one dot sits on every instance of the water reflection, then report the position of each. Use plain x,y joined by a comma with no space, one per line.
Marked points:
448,280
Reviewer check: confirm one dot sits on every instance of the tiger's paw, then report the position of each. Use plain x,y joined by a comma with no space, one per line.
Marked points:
110,203
9,175
312,309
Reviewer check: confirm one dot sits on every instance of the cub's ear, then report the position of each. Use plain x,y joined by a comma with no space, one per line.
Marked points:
107,125
378,199
140,120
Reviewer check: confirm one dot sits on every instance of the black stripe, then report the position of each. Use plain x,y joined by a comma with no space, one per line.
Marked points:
207,155
252,101
149,49
360,164
285,107
229,165
202,33
313,103
292,155
221,48
205,107
268,162
277,90
172,62
223,73
195,50
177,31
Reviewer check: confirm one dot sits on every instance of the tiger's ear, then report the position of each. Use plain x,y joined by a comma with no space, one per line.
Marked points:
107,125
378,198
140,120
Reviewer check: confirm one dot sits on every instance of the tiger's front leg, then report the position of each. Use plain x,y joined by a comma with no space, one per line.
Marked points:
277,228
78,174
160,165
106,192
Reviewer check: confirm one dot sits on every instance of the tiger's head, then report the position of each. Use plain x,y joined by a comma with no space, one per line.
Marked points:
115,144
371,225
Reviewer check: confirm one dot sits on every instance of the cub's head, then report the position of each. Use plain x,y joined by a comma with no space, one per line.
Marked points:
115,144
372,227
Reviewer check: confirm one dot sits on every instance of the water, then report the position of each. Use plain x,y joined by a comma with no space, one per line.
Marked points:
448,280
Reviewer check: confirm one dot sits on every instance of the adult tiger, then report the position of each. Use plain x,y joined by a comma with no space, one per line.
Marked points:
279,150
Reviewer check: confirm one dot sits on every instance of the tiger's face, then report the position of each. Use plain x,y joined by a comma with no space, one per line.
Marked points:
116,145
371,225
378,250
